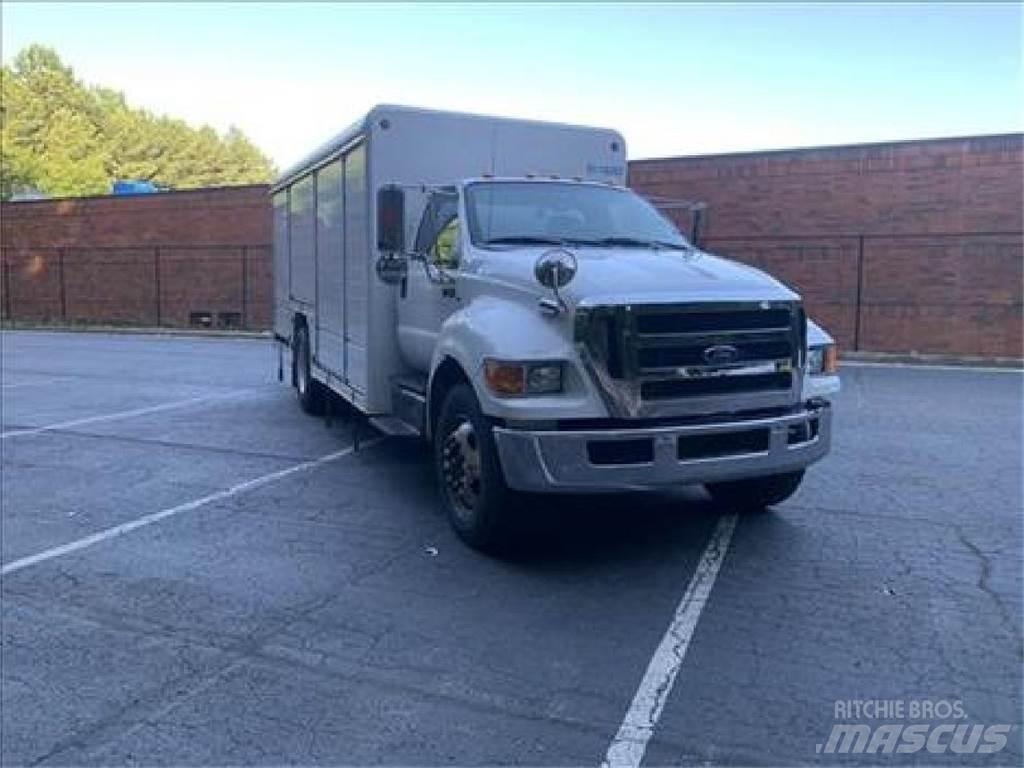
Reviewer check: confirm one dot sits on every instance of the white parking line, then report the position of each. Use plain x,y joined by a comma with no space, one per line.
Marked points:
155,517
929,367
115,416
630,743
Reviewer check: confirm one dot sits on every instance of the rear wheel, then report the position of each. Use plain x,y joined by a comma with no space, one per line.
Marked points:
310,392
473,491
756,493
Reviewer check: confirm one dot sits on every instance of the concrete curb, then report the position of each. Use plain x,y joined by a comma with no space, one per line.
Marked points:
141,331
877,358
893,358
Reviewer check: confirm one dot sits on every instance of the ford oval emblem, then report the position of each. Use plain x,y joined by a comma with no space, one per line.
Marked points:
721,354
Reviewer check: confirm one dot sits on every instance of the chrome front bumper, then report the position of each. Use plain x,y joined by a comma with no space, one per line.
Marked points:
635,459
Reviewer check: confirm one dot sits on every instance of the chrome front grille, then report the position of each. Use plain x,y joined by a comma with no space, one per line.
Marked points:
682,359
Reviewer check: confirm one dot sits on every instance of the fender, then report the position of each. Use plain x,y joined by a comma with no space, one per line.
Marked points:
506,329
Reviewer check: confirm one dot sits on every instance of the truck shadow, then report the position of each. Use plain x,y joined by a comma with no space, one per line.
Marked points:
568,530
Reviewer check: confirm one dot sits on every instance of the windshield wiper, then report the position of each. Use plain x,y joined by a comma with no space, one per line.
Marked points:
639,242
524,240
599,243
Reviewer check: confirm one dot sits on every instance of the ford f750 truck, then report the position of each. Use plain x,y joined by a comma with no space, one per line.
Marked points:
492,286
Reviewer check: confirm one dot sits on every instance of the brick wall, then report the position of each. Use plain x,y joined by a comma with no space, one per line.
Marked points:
900,247
159,259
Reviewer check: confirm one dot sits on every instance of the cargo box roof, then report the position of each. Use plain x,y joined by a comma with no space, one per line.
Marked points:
356,130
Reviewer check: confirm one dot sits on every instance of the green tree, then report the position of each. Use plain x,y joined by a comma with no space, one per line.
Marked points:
65,138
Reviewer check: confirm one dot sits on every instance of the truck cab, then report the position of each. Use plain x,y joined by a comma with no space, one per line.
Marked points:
554,334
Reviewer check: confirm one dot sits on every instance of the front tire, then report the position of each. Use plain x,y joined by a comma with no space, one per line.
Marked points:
756,493
310,392
472,487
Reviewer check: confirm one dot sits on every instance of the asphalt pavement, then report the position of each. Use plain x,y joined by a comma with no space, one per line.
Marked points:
194,572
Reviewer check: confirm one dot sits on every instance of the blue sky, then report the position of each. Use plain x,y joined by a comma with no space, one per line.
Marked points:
676,79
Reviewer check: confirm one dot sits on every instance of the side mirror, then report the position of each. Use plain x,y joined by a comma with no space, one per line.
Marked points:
391,219
555,268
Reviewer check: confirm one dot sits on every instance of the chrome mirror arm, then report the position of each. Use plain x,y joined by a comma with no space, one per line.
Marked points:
435,274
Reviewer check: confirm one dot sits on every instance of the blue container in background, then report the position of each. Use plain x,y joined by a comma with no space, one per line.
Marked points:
130,187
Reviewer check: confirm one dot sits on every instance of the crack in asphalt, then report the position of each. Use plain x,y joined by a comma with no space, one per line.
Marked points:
984,574
239,653
185,446
257,647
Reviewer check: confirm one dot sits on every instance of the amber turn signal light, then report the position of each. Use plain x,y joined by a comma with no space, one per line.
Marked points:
505,378
830,360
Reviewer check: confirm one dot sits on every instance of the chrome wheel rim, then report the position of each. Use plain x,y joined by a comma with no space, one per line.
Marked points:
460,466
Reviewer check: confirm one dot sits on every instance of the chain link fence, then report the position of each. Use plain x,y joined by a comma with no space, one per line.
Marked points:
942,293
173,286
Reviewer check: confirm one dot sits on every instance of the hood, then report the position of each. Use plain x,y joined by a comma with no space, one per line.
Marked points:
639,275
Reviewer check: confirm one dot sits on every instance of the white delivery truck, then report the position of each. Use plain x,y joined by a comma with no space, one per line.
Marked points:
492,286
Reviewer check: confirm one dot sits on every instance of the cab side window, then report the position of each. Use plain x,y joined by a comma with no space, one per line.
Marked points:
438,235
444,252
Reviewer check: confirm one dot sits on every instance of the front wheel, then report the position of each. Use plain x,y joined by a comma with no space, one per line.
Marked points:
756,493
473,491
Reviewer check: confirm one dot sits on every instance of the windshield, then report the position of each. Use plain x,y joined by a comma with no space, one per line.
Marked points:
540,213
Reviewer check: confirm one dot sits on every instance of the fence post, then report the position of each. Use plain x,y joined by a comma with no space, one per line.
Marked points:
8,299
860,292
245,286
156,282
63,287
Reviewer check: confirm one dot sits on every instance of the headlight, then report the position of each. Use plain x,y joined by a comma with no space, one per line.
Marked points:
509,378
823,360
544,378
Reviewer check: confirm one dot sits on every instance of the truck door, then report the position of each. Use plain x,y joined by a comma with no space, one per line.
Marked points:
428,296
